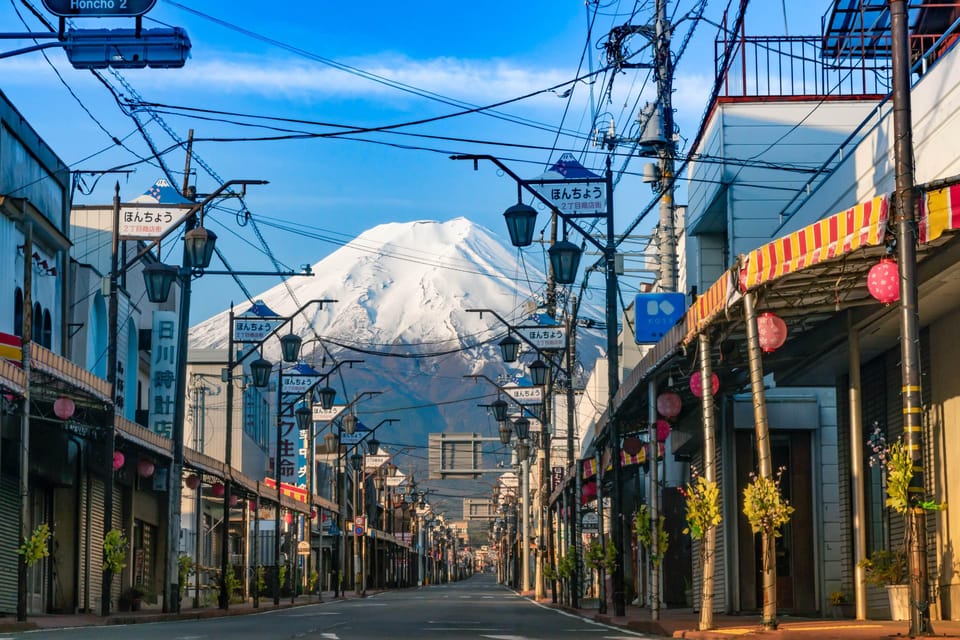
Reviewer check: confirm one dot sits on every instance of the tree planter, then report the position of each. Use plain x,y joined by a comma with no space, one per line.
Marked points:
899,597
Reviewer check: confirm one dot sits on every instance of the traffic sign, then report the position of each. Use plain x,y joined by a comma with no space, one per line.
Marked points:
357,530
590,521
98,8
147,220
656,314
545,338
303,548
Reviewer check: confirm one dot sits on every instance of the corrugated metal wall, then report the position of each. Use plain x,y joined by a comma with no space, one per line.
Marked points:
722,579
9,534
91,544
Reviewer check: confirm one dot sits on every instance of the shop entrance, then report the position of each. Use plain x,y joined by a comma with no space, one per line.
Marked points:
796,588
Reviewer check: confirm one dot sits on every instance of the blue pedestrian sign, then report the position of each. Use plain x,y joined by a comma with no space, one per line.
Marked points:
655,314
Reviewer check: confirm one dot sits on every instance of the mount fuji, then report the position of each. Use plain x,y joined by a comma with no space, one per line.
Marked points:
402,291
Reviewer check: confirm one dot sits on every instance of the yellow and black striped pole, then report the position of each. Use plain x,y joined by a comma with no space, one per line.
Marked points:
909,318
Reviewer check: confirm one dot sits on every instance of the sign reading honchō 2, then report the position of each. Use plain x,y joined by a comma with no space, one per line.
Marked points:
98,8
586,192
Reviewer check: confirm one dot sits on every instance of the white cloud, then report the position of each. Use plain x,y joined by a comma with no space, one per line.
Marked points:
476,81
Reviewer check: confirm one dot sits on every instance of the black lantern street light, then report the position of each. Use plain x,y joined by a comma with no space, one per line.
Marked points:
522,425
327,395
198,249
509,349
564,258
499,407
538,373
260,370
373,445
520,224
290,347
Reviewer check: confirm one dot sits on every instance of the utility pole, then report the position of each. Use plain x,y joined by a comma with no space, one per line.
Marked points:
663,70
909,318
662,65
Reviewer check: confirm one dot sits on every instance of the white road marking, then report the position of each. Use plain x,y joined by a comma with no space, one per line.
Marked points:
627,634
330,636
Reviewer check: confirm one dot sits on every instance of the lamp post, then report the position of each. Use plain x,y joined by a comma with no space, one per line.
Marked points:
346,424
198,251
541,375
564,259
260,370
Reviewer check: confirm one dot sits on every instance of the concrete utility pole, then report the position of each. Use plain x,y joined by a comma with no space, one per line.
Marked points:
663,69
909,318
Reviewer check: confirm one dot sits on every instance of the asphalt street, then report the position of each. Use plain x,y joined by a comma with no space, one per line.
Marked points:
477,608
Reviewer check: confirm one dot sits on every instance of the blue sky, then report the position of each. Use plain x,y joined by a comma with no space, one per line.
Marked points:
285,60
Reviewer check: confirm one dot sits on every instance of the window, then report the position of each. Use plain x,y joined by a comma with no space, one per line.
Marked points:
18,312
36,327
46,337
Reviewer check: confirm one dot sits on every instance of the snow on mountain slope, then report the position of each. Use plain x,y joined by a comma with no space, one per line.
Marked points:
401,291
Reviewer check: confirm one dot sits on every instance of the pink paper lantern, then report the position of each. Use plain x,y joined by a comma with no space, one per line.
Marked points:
217,489
193,481
253,505
883,281
588,492
64,408
288,518
118,460
631,445
145,468
669,404
313,514
772,331
663,430
696,384
234,500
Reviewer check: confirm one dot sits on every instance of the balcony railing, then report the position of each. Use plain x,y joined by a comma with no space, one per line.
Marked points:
794,66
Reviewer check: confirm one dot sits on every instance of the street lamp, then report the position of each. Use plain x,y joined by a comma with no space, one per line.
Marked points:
349,423
260,372
564,258
565,261
538,373
199,246
505,432
327,396
499,407
509,349
158,279
304,416
290,346
522,425
520,221
373,445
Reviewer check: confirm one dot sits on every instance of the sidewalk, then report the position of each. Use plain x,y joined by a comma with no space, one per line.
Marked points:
62,621
682,623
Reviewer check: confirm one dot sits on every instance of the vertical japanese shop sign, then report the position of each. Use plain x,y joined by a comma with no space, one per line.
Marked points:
163,373
290,447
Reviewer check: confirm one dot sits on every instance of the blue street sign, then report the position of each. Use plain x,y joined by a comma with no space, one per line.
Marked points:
655,314
98,8
333,530
358,531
